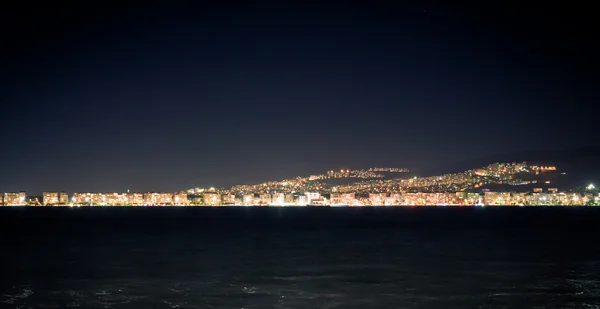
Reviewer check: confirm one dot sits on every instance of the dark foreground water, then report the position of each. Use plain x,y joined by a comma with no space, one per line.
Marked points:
300,258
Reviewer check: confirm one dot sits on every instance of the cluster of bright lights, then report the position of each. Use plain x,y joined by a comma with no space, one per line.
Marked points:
14,198
497,173
313,182
151,198
551,197
445,190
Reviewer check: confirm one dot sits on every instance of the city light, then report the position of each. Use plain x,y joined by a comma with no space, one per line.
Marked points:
367,187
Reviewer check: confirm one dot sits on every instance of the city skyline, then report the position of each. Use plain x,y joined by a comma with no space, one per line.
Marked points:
538,197
523,184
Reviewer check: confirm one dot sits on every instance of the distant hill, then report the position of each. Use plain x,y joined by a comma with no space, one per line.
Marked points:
581,165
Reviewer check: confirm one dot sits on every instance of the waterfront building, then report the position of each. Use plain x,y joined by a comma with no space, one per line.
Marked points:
321,201
153,198
248,200
278,199
63,198
15,198
497,198
165,198
377,199
50,198
114,199
312,196
343,199
87,198
136,199
302,200
264,199
518,198
212,199
180,198
228,199
393,199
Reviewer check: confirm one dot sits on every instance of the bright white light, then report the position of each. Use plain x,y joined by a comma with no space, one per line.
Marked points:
591,187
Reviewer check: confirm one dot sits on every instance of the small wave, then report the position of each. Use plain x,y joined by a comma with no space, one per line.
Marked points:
172,305
306,277
13,299
102,293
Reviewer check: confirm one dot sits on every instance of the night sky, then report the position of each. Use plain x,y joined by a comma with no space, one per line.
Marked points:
164,98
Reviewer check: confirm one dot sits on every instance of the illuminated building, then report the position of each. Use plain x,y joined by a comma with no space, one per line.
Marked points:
136,199
153,198
228,199
564,199
115,199
302,200
180,198
389,169
377,199
343,199
321,201
248,199
518,198
497,198
289,198
336,198
537,199
278,199
553,190
87,198
212,199
63,198
165,198
97,199
50,198
264,199
393,199
15,198
312,196
538,190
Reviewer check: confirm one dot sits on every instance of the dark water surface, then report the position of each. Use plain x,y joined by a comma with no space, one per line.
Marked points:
411,257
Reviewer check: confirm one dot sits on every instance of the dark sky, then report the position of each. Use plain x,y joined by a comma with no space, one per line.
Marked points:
96,98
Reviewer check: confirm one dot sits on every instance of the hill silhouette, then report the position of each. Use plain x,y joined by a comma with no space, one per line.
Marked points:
580,165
